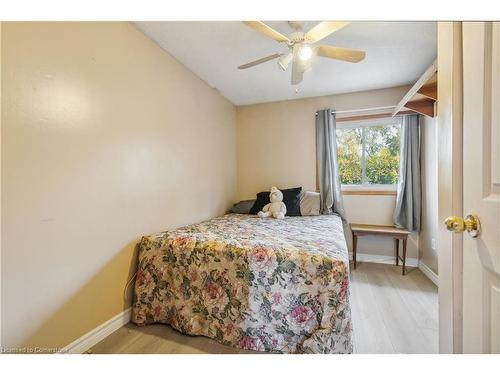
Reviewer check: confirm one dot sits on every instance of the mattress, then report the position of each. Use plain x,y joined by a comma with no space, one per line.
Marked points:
258,284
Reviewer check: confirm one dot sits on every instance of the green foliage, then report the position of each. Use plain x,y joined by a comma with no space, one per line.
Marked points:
381,153
382,167
349,156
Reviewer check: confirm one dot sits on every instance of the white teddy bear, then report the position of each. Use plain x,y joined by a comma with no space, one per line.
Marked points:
276,208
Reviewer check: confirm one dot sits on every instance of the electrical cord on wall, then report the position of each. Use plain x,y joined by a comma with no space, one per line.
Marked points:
128,285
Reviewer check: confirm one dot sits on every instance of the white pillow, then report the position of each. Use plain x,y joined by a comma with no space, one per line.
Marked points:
309,203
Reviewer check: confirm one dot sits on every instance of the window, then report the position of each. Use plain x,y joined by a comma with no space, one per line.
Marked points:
368,152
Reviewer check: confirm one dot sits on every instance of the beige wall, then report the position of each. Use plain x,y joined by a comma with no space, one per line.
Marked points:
105,137
276,146
0,184
429,162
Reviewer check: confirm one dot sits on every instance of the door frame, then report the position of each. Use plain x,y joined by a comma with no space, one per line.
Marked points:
450,184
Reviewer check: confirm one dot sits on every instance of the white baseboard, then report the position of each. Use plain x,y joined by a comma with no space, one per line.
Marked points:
85,342
384,259
429,273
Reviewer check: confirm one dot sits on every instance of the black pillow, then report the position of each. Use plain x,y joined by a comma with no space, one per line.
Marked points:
242,207
291,199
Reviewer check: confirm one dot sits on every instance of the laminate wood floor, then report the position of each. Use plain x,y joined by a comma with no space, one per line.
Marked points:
391,314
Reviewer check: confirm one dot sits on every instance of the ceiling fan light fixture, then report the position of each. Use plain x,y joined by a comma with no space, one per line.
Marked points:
305,53
285,60
302,48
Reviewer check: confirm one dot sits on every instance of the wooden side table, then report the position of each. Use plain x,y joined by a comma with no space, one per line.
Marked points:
380,230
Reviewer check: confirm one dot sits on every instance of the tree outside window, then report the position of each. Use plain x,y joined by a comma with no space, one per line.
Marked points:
368,153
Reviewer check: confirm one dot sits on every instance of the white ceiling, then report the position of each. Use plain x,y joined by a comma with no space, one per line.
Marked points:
397,53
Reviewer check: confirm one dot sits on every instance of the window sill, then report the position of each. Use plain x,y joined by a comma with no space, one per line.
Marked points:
347,191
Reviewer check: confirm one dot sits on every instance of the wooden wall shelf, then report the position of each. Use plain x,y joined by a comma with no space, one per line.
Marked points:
422,106
429,90
422,96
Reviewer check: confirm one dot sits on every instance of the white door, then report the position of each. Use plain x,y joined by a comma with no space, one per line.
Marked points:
481,189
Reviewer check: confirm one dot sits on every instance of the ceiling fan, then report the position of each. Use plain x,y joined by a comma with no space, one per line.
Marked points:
301,47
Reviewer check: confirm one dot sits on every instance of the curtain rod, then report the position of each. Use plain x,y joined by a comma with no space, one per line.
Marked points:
362,109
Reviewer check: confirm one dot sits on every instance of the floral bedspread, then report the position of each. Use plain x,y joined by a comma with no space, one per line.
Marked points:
259,284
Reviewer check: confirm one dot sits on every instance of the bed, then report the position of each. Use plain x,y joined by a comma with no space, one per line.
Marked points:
259,284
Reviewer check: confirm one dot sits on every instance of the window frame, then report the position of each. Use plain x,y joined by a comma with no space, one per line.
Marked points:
369,189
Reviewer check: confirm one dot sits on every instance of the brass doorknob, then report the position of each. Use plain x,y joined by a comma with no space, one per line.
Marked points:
470,224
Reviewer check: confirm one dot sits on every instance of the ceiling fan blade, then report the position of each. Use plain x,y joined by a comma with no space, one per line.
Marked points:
338,53
297,66
262,28
323,29
259,61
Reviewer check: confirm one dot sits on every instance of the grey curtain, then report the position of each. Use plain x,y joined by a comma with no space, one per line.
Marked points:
408,200
328,167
